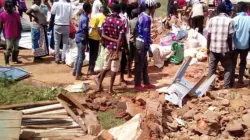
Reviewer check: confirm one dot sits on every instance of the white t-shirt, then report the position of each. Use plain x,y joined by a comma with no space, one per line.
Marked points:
62,11
39,13
96,7
197,10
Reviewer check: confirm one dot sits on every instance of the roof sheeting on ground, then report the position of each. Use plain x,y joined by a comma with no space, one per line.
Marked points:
13,73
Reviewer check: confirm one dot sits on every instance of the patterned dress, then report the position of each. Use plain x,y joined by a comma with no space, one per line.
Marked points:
39,32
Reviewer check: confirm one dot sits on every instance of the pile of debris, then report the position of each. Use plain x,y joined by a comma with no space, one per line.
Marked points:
222,115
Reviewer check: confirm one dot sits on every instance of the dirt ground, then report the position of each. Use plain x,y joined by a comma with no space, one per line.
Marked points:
49,73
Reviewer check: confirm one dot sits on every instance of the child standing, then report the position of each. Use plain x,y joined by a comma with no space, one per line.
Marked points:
81,39
10,21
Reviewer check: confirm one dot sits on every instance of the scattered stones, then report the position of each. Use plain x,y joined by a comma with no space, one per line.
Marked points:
140,102
153,95
120,114
235,128
225,102
246,119
101,100
205,137
190,114
103,108
121,105
133,109
211,116
191,105
236,104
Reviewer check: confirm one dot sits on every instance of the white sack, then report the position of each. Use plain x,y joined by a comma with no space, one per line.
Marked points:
128,131
159,54
71,54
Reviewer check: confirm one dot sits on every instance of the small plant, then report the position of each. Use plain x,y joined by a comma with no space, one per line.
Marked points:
6,81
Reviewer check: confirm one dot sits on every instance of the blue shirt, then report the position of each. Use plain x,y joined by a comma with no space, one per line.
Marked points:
143,28
242,28
229,6
82,32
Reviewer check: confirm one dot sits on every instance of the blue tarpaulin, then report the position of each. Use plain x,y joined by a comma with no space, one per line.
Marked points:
13,73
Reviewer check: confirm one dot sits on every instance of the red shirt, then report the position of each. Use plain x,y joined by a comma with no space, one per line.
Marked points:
12,24
112,27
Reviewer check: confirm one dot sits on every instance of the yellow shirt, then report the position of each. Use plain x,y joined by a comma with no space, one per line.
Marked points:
95,23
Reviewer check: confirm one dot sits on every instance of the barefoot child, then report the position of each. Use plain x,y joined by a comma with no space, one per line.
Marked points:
112,31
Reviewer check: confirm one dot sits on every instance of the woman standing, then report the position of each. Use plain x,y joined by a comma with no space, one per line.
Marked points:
39,29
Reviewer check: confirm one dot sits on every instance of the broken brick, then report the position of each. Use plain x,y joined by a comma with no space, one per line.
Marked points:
103,108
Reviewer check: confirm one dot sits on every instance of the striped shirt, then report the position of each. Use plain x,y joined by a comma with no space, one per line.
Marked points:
220,27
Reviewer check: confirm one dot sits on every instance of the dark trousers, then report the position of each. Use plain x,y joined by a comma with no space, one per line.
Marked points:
243,63
141,64
197,22
93,53
123,63
226,62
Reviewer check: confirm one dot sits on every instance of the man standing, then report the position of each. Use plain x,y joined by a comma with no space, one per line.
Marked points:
63,13
94,37
143,41
220,31
241,41
112,31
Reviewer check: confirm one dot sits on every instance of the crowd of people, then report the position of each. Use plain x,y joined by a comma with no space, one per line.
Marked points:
124,30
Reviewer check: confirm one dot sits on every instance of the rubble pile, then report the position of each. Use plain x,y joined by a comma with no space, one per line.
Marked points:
221,115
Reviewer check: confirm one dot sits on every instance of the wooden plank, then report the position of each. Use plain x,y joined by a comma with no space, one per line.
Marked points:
51,126
54,112
10,123
71,100
9,133
42,109
59,133
46,121
10,115
26,105
52,130
45,116
72,114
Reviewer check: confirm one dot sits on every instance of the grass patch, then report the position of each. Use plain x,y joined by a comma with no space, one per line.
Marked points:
108,120
12,92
